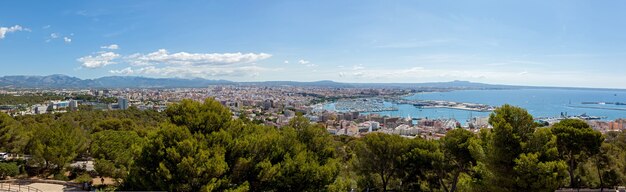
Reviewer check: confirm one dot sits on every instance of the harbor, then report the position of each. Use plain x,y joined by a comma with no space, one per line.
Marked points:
466,104
382,105
429,104
598,107
360,105
603,103
563,116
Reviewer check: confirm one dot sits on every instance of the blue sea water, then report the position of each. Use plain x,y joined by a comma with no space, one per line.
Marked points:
538,102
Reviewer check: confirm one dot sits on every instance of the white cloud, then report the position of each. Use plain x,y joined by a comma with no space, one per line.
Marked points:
46,27
162,56
52,36
303,62
66,39
286,62
342,74
100,60
200,71
16,28
181,64
307,63
125,71
111,47
358,67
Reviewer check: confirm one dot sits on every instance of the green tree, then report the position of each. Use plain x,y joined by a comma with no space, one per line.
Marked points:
204,118
576,141
308,161
456,148
115,151
13,136
422,166
285,159
8,170
58,144
380,154
536,175
607,166
513,147
174,159
511,128
203,148
115,124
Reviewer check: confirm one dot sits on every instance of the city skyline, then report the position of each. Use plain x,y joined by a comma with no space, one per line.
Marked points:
557,43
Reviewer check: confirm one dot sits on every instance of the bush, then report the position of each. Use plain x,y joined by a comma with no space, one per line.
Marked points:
61,177
8,170
93,173
75,172
84,178
106,188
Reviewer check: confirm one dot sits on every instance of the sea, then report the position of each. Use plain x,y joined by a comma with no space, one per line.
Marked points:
538,102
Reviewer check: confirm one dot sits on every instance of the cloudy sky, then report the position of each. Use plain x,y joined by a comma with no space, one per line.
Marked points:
556,43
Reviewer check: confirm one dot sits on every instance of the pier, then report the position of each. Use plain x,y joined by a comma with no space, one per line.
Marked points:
447,104
598,107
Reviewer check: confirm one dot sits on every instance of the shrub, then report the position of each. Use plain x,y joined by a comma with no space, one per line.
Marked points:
61,177
8,170
84,178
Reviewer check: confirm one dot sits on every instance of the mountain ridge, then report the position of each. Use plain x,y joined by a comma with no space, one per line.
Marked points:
65,81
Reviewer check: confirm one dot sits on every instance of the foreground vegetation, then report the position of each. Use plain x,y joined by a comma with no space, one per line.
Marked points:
196,146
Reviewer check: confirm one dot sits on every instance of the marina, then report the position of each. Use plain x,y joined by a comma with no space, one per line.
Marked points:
360,105
538,102
382,105
563,116
429,104
463,105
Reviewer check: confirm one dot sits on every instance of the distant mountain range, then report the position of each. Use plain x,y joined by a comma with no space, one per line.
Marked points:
64,81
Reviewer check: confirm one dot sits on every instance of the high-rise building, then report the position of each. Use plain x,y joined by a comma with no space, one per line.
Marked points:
122,103
73,105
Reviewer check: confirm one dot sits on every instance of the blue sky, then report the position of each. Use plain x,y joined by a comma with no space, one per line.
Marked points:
556,43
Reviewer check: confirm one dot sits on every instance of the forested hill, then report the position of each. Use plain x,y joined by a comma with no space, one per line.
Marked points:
195,146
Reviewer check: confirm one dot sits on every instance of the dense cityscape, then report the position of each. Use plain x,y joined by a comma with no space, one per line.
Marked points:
276,106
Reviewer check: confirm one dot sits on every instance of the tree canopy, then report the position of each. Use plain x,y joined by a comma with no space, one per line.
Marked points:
199,146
